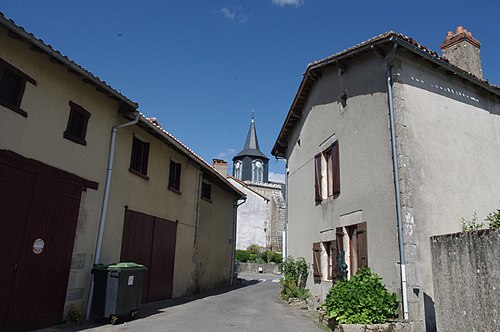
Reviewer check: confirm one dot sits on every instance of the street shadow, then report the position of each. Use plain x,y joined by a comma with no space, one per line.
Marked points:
151,309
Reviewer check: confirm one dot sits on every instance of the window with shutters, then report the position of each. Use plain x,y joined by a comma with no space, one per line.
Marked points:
76,128
327,173
174,177
12,85
352,247
139,158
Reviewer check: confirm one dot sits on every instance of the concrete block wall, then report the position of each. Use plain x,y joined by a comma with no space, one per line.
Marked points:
466,277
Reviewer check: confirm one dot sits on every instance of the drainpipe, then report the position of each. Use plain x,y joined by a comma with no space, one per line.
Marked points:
104,209
285,251
196,230
395,166
233,249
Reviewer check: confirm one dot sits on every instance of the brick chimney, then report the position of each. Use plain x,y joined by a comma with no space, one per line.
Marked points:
220,166
462,50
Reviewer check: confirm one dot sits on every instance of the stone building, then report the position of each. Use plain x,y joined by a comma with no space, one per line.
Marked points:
387,144
86,179
250,175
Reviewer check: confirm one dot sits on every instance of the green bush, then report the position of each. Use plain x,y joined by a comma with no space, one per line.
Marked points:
494,219
361,300
291,290
270,256
471,225
255,249
294,278
242,256
277,258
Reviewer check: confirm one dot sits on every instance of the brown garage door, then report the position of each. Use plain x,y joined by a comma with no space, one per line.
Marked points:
38,215
150,241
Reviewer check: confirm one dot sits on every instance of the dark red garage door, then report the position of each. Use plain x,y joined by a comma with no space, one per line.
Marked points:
150,241
38,216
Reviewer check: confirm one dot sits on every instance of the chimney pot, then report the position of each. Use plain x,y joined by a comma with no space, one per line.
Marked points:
454,49
220,166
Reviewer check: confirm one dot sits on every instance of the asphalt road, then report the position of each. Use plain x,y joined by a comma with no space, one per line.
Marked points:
252,306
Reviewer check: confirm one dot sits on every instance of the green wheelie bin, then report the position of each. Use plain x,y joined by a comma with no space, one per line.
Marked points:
117,290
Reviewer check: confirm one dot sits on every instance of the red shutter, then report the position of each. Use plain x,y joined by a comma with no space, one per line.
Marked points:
317,260
336,169
362,241
317,178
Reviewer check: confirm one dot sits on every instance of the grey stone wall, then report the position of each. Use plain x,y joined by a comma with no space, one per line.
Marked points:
254,267
276,213
466,277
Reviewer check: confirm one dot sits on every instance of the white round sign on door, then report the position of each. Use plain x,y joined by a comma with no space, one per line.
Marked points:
38,246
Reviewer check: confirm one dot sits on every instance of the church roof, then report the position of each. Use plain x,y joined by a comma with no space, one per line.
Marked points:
251,145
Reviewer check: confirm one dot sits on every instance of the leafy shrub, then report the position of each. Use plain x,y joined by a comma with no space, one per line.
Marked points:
494,219
270,256
296,270
361,300
255,249
277,258
74,314
256,254
471,225
242,256
295,275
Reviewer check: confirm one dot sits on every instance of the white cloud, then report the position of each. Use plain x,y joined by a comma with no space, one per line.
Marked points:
228,13
276,177
293,3
226,153
234,14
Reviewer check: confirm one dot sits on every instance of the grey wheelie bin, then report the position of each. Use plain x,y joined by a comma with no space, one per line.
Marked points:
117,290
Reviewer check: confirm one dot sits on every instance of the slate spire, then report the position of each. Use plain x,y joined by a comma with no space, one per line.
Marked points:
252,143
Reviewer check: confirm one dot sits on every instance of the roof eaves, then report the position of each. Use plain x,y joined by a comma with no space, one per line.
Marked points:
70,64
189,153
242,183
392,36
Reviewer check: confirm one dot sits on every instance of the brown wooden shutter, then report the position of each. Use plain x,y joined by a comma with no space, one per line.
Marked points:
336,168
362,240
317,260
317,177
334,253
339,234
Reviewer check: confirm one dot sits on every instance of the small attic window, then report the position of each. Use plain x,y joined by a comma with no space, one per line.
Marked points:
12,86
343,99
76,128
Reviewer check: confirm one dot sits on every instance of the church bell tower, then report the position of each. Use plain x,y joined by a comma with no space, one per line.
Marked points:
251,164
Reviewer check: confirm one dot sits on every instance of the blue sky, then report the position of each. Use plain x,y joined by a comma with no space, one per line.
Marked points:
201,67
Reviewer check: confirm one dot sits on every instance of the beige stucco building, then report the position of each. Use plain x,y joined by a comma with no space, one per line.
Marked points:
387,144
85,178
